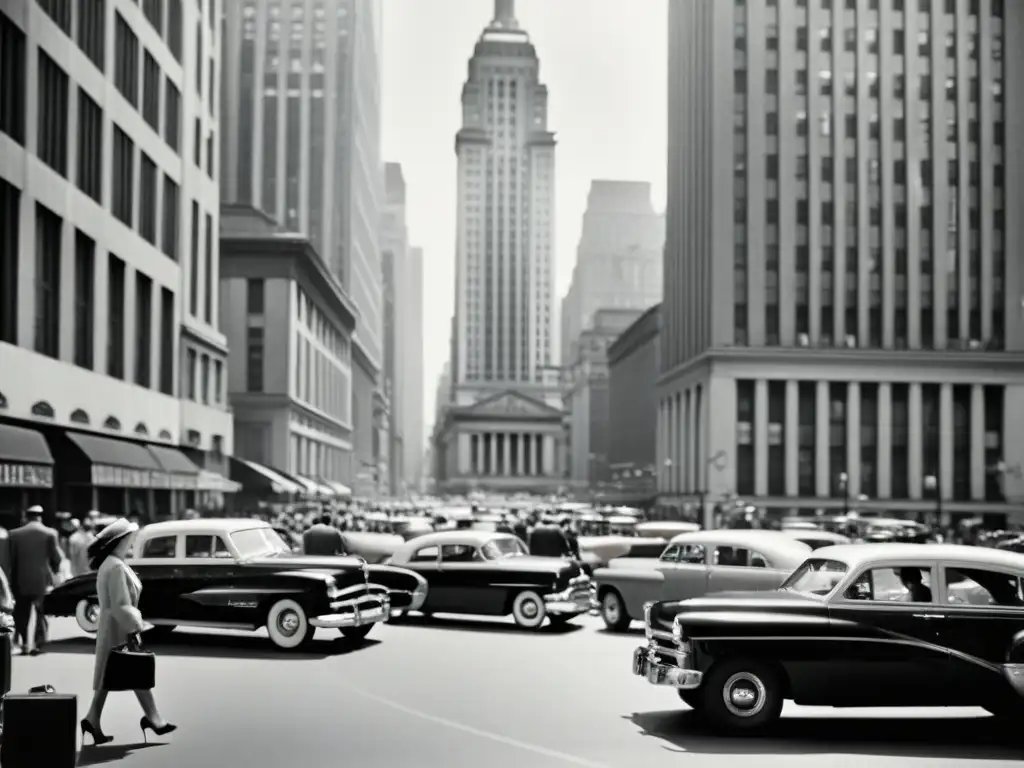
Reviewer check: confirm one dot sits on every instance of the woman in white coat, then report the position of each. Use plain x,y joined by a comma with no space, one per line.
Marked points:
118,590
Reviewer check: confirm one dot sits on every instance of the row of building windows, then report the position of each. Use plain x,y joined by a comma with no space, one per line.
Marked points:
203,378
50,233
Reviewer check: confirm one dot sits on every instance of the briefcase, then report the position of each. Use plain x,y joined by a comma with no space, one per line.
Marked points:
129,669
40,729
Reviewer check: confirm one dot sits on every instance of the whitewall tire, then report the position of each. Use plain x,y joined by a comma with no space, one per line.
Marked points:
87,614
613,612
288,625
528,610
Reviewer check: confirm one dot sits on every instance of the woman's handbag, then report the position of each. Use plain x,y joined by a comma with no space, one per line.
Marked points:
130,667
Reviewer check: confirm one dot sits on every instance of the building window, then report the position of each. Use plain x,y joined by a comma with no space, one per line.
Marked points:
197,144
48,237
92,16
199,58
10,219
174,27
254,360
123,196
255,295
167,333
143,329
147,199
208,273
204,377
154,10
211,97
151,92
172,115
745,458
12,80
52,135
85,280
59,11
170,218
115,317
90,147
190,372
126,61
218,381
193,268
209,156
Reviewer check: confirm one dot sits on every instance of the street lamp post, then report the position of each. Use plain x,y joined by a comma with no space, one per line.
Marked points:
844,484
931,483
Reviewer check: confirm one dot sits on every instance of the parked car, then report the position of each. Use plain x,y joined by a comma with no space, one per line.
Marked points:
855,626
816,538
664,529
692,565
492,574
239,574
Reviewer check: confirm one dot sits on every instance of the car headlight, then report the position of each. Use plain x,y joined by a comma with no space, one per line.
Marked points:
648,629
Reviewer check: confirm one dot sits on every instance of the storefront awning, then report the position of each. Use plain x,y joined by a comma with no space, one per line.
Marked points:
25,459
338,488
256,477
120,464
213,481
183,473
315,488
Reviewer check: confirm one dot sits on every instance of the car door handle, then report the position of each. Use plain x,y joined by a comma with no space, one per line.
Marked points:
928,616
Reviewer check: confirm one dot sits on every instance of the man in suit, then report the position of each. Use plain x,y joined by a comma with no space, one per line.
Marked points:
547,540
35,558
78,545
322,538
571,538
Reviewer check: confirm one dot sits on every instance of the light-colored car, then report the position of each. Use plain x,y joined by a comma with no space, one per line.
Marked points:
816,538
693,565
664,529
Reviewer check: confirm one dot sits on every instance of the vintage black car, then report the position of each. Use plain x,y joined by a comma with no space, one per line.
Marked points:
854,626
492,574
239,574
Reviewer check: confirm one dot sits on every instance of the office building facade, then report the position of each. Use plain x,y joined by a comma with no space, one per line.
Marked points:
842,315
109,343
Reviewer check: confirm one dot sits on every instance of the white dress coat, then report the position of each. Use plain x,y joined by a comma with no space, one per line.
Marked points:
118,590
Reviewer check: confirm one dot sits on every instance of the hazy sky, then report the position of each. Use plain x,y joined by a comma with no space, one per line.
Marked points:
605,65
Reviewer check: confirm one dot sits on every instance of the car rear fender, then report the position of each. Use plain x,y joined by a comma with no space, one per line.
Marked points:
636,587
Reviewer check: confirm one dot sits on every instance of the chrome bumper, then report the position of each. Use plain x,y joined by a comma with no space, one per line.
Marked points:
575,600
646,665
354,613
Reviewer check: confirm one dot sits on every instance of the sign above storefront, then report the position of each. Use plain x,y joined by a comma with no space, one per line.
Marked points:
25,476
104,475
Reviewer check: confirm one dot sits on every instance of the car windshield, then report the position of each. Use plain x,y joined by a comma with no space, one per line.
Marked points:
254,542
499,548
816,577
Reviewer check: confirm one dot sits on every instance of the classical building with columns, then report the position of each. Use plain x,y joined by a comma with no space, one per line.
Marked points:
502,428
842,322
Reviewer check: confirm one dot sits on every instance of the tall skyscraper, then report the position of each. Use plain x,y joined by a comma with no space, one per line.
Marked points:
504,340
301,141
109,256
618,261
841,322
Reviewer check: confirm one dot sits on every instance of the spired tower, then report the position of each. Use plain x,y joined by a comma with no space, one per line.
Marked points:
503,430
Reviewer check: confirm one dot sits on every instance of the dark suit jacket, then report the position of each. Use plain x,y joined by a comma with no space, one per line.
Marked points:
35,558
323,539
573,541
548,541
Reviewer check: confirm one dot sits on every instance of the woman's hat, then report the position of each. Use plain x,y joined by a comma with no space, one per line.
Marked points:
107,538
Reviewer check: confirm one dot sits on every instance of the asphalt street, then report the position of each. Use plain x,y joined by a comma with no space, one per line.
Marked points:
451,692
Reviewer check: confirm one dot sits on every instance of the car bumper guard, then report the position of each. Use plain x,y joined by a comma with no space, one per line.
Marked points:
575,600
647,665
359,612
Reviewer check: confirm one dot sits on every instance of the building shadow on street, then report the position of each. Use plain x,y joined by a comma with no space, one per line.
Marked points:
184,643
111,753
483,625
963,738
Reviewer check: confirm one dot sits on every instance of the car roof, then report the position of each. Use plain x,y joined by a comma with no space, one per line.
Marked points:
469,537
768,542
857,555
207,526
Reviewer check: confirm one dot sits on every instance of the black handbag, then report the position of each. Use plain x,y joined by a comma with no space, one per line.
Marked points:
130,667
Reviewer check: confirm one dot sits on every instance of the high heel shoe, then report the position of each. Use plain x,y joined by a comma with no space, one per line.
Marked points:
147,724
98,736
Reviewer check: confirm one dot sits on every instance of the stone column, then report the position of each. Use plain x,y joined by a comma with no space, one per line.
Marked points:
521,454
884,468
853,439
463,450
506,438
977,442
822,470
761,437
791,438
528,460
946,441
549,455
915,440
540,457
492,468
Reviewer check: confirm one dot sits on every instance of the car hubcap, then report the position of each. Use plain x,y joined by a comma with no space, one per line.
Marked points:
529,609
611,609
92,613
288,623
744,694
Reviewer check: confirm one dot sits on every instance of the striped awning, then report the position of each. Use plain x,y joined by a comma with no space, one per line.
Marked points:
216,482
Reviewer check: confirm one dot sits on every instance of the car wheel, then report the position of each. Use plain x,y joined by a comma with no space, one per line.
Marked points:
528,610
692,698
287,625
356,633
742,696
613,611
87,614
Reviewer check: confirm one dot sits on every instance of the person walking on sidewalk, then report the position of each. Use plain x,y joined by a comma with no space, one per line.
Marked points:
35,561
